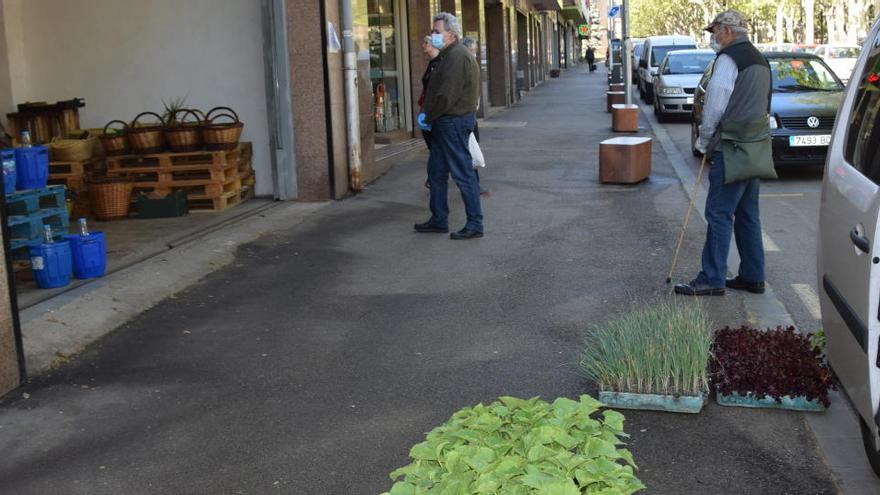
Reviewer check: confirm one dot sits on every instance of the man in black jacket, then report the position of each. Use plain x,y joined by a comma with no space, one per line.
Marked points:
448,113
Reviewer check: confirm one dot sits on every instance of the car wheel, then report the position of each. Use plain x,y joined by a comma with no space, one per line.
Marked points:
694,149
661,117
641,93
649,94
870,448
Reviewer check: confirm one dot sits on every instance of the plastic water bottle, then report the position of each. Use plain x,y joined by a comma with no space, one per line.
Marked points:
26,139
47,234
83,227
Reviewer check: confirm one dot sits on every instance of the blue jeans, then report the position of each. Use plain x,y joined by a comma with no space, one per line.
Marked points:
731,207
450,156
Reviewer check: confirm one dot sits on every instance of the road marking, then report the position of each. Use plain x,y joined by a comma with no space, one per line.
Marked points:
769,245
809,298
782,195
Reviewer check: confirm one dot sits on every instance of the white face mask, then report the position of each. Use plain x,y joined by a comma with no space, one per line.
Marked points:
713,44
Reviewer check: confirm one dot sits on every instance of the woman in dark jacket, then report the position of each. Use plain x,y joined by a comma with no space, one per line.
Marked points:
432,52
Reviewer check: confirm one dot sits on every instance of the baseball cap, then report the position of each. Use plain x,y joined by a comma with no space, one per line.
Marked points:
730,18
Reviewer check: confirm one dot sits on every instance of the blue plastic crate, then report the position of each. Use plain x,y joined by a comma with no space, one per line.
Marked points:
31,167
34,200
27,230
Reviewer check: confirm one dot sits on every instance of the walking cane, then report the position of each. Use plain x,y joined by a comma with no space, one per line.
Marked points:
687,218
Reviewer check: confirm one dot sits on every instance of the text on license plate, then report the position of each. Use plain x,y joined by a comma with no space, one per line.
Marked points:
811,140
690,100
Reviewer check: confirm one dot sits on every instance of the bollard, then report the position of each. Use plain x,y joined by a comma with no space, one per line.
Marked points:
614,98
625,118
624,160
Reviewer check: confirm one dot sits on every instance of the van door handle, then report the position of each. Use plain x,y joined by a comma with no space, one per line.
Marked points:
860,241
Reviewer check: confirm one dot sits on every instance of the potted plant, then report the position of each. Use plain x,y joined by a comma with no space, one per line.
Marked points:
652,357
523,446
780,369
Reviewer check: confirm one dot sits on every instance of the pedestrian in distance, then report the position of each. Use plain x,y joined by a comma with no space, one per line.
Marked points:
591,58
448,113
735,137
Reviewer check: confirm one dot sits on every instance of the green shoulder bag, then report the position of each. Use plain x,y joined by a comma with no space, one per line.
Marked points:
747,150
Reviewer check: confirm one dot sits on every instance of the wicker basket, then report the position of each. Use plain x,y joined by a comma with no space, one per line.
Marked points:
72,150
110,199
222,136
183,136
146,138
116,143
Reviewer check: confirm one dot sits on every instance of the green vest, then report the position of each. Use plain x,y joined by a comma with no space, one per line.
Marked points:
748,150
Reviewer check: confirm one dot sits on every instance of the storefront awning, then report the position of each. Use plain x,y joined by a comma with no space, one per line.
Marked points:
575,10
546,5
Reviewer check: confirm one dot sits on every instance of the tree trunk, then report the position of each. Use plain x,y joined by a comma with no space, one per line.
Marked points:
779,20
809,21
789,26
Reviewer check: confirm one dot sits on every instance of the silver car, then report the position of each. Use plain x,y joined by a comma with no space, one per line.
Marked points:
677,79
849,245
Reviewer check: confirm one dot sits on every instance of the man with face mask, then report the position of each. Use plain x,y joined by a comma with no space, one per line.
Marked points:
737,101
449,114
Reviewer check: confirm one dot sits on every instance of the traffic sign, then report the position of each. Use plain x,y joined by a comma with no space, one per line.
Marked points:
613,11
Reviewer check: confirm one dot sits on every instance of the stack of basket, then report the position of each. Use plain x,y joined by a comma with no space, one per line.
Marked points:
72,161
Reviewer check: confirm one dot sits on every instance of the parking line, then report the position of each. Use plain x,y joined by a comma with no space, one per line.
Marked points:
782,195
809,298
769,245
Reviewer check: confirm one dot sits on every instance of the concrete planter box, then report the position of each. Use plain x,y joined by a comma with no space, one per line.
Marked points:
799,403
616,87
624,160
614,98
651,402
625,118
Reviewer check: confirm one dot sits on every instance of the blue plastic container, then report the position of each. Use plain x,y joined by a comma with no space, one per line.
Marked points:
32,167
51,264
89,253
7,157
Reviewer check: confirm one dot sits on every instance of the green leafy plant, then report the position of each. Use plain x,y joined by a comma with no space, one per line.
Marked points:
817,340
519,447
171,109
660,348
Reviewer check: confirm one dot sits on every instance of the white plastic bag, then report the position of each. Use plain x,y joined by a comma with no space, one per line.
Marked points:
476,152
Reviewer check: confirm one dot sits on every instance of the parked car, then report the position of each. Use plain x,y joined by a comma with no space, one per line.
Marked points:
806,95
848,255
637,45
653,52
676,81
841,59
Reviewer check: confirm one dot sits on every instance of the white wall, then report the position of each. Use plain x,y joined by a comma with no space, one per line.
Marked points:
127,56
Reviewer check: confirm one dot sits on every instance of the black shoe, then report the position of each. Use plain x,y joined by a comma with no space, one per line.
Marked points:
465,234
695,289
740,284
429,228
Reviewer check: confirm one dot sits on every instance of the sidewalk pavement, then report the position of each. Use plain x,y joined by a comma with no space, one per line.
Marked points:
324,350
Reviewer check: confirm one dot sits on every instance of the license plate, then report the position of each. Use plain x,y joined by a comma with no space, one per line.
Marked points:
690,100
810,140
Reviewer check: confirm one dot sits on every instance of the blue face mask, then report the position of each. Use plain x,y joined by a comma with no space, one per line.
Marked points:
437,41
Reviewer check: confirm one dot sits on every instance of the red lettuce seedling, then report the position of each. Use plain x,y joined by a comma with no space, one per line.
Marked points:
773,363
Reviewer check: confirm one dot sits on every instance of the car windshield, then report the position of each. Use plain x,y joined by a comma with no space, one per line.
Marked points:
692,63
797,74
659,52
843,52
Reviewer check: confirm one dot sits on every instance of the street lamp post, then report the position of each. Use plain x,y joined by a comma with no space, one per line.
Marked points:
627,56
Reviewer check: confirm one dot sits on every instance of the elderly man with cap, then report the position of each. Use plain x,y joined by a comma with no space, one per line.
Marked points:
734,135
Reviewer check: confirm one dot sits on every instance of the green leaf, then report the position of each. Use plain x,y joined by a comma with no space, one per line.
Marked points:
423,451
534,478
402,488
596,447
613,419
481,459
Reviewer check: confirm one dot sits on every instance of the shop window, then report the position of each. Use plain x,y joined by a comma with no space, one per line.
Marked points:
386,74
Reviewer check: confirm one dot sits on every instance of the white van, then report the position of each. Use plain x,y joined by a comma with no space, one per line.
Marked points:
653,52
849,245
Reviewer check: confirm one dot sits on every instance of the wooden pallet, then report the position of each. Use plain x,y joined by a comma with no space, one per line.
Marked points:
193,191
216,159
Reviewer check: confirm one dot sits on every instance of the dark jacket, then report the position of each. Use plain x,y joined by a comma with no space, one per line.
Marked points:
454,85
426,78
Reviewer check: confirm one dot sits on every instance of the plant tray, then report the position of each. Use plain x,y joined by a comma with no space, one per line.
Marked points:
652,402
799,403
